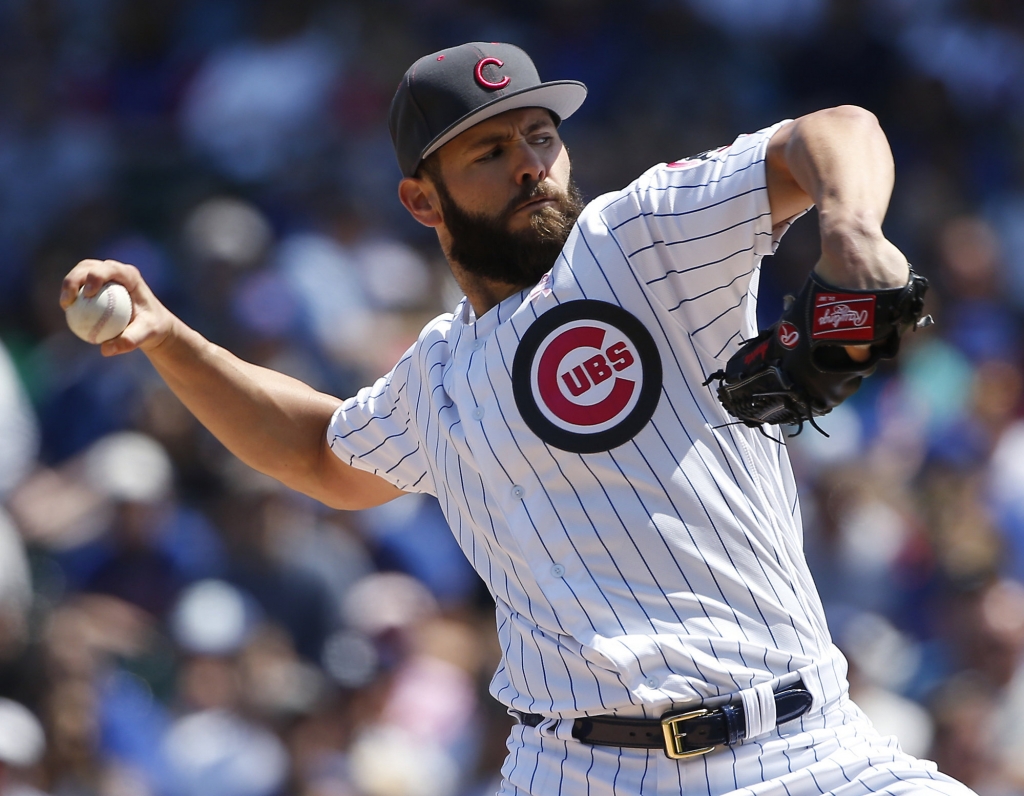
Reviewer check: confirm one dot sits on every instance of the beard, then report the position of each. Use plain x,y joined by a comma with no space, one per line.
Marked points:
486,247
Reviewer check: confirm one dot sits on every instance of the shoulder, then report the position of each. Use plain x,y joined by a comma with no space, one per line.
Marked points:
745,151
429,347
437,328
432,345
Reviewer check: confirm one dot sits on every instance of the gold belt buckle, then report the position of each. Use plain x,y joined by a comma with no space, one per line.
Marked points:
674,735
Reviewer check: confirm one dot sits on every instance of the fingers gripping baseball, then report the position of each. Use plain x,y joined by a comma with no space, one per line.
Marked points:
150,323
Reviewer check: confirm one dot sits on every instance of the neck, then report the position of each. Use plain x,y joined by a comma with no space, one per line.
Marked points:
482,293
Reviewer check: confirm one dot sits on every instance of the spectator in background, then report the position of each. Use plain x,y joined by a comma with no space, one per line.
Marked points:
215,747
135,473
21,747
18,427
980,323
981,735
258,108
16,677
255,526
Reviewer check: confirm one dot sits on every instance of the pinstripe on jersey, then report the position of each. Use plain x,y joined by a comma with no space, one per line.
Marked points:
667,569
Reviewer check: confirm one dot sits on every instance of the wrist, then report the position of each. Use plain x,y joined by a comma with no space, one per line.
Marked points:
848,237
169,342
855,254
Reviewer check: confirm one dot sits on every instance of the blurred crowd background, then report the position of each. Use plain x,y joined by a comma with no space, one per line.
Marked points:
174,624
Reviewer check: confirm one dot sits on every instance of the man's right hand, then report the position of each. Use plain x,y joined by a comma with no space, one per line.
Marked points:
151,321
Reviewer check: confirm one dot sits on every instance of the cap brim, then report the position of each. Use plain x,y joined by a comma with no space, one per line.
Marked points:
562,97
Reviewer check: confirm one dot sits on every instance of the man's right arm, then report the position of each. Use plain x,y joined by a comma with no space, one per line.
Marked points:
272,422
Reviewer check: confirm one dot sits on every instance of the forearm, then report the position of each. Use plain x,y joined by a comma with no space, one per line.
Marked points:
272,422
841,159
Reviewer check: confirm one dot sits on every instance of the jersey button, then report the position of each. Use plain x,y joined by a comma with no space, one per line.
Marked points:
478,344
652,682
518,492
478,413
557,570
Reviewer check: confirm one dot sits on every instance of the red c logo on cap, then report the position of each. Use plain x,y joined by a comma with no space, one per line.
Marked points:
478,73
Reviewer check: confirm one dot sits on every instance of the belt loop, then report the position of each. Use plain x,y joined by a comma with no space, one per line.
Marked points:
759,707
733,724
826,680
560,729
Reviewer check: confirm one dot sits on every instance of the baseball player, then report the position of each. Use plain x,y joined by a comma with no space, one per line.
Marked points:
587,420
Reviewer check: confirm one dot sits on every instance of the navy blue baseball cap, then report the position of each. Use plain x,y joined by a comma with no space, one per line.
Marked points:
449,91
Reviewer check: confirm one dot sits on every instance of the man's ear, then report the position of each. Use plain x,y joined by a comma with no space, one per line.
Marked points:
420,200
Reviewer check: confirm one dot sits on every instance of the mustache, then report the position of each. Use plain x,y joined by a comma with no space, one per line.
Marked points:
529,193
485,247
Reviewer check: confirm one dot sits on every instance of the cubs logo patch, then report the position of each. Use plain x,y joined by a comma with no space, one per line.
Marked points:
587,376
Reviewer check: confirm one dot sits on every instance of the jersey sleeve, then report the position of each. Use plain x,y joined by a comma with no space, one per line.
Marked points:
374,431
695,231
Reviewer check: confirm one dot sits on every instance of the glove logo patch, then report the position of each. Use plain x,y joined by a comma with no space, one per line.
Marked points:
843,316
587,376
788,335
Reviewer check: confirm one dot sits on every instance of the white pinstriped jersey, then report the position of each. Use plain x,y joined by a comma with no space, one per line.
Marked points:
639,552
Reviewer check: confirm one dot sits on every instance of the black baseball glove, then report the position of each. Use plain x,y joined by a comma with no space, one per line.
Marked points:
798,369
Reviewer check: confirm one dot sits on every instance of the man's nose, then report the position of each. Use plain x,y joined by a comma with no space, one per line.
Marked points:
530,167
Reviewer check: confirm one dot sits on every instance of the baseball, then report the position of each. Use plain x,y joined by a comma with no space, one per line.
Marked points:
102,317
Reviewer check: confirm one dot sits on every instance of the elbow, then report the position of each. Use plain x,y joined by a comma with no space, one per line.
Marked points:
852,119
337,505
845,131
842,120
340,497
343,487
853,113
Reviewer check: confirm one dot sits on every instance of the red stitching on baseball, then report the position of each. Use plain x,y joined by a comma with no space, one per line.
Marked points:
104,317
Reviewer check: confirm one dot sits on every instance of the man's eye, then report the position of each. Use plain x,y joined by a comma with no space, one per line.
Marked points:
489,156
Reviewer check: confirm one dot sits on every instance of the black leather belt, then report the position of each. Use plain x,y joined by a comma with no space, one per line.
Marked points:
680,733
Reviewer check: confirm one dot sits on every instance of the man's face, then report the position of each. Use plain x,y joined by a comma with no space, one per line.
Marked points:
506,196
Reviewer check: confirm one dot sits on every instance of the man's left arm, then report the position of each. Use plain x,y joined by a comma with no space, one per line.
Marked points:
839,160
861,296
